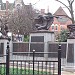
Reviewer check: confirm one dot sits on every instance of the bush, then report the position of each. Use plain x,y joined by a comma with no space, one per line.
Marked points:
26,38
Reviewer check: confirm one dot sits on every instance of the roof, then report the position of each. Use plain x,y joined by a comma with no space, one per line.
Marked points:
60,11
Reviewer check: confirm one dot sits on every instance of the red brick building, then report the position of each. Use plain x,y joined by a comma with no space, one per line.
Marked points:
60,23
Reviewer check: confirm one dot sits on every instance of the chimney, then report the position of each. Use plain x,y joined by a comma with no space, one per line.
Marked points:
48,9
42,11
7,5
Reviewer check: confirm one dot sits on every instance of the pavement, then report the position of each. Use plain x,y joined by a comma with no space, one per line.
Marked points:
67,73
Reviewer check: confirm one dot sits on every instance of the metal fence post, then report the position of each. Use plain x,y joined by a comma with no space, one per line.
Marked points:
59,60
7,59
33,60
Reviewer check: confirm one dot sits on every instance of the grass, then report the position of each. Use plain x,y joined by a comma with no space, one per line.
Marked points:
21,71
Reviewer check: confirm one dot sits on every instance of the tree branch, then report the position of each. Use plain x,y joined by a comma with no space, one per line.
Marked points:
64,5
72,1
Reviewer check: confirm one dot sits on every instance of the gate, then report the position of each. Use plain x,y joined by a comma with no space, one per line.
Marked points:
31,63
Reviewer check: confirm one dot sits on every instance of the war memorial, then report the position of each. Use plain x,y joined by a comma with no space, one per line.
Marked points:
40,41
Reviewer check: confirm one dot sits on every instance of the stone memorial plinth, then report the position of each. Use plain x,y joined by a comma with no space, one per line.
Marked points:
70,52
3,47
39,40
42,24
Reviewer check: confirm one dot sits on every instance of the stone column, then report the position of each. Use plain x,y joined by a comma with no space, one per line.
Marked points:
70,54
4,42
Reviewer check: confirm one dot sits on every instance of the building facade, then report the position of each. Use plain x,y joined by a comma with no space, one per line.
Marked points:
60,23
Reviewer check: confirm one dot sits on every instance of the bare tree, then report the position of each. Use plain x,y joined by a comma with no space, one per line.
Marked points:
22,19
70,9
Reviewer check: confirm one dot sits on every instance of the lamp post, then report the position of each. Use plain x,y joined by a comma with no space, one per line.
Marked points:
59,59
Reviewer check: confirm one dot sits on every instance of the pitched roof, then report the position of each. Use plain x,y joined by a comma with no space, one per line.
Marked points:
60,11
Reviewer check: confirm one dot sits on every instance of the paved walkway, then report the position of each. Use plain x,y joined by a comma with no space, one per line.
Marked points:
67,73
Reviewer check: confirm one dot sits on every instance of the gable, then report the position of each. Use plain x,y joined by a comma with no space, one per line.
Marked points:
60,11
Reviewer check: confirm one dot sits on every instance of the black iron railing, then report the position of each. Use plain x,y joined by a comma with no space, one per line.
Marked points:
33,65
27,63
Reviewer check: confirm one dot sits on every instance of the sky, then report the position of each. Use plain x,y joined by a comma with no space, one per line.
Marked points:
44,4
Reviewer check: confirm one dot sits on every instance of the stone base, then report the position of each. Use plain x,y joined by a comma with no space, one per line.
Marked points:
42,36
70,55
4,47
39,41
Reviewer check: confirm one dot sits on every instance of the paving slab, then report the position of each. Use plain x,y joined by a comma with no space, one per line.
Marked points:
67,73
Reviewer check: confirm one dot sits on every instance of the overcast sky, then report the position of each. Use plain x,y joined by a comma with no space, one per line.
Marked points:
44,4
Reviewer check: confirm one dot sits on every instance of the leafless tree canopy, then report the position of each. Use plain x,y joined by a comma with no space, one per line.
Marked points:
22,19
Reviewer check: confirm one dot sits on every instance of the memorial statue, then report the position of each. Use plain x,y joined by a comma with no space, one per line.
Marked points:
43,22
4,27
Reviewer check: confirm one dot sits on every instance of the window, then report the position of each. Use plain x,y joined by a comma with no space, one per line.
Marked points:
52,27
56,28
